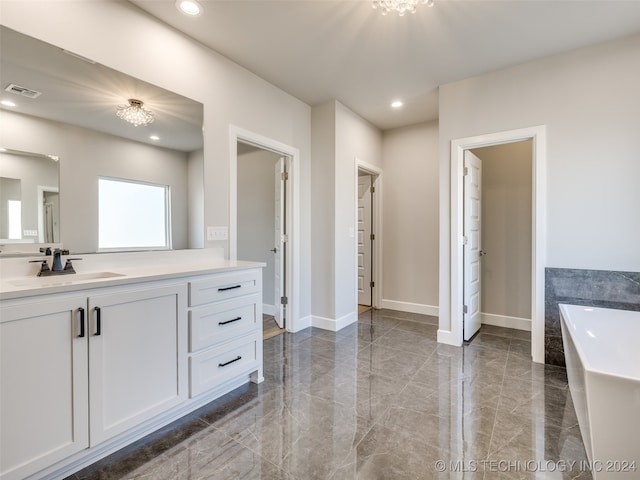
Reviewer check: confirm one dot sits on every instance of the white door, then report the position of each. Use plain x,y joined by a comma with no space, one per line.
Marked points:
278,250
364,240
472,239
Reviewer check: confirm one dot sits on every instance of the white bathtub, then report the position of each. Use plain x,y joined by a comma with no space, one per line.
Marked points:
602,352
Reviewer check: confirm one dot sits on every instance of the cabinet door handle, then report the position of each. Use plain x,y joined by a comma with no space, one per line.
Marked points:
98,320
224,289
230,321
81,311
230,361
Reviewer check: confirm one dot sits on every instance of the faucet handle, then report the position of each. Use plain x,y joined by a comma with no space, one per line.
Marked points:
46,250
44,266
68,266
61,251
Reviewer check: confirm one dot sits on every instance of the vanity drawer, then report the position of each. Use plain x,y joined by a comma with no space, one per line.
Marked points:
212,367
223,286
220,322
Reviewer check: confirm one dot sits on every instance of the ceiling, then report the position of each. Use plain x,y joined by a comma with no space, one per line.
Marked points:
85,94
319,50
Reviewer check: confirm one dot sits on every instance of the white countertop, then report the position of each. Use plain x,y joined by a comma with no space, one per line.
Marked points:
109,273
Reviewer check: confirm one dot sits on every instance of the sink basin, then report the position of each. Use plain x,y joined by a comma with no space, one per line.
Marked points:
63,279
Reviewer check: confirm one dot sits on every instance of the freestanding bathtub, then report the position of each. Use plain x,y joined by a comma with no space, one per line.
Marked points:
602,352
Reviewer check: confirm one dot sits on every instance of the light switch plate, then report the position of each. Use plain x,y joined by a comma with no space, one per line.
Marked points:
217,233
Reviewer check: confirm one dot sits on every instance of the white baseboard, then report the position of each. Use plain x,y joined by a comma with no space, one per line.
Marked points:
410,307
268,309
505,321
299,324
448,338
334,324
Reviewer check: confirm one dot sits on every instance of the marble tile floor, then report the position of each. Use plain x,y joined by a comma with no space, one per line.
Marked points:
378,400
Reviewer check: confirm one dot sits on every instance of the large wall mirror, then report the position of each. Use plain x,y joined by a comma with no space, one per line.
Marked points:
61,140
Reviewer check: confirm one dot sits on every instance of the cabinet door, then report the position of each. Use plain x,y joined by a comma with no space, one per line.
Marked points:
44,390
137,357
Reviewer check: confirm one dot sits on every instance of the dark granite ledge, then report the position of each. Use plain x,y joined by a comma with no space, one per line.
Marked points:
595,288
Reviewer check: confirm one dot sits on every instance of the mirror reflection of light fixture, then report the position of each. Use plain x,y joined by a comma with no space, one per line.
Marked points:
134,113
400,6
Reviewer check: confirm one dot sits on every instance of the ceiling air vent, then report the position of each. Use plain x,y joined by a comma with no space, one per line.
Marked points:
25,92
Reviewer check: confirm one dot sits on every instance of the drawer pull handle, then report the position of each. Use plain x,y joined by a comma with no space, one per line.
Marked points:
230,361
81,310
230,321
224,289
98,321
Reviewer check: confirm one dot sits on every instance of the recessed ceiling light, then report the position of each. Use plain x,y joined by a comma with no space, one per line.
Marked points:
8,103
189,7
154,137
396,104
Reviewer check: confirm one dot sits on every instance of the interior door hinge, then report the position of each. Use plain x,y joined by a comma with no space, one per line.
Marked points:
372,284
284,238
464,309
464,240
284,300
372,189
285,176
466,171
372,237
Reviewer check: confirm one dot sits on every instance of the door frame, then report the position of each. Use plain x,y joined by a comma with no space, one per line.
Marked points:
376,229
41,189
537,135
292,220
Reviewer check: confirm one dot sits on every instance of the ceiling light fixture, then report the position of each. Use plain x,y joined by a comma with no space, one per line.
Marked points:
154,137
189,7
396,104
8,103
134,113
400,6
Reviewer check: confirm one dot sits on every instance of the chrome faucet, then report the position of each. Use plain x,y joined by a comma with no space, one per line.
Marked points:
56,263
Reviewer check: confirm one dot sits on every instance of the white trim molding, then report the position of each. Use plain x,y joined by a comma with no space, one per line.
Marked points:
268,309
506,321
332,324
410,307
537,134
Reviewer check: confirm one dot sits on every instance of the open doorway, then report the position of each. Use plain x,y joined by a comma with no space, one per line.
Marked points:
459,147
367,233
283,171
497,229
365,238
261,226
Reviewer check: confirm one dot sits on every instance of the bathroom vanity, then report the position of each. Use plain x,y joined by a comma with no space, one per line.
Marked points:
94,361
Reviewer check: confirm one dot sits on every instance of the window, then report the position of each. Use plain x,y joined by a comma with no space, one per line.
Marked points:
133,215
14,209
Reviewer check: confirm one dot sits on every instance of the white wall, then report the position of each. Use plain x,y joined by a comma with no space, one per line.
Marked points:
506,229
256,214
339,136
410,210
195,198
147,49
355,138
588,99
323,121
86,155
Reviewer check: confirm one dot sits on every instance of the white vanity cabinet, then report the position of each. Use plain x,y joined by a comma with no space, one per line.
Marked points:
85,372
79,370
44,373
